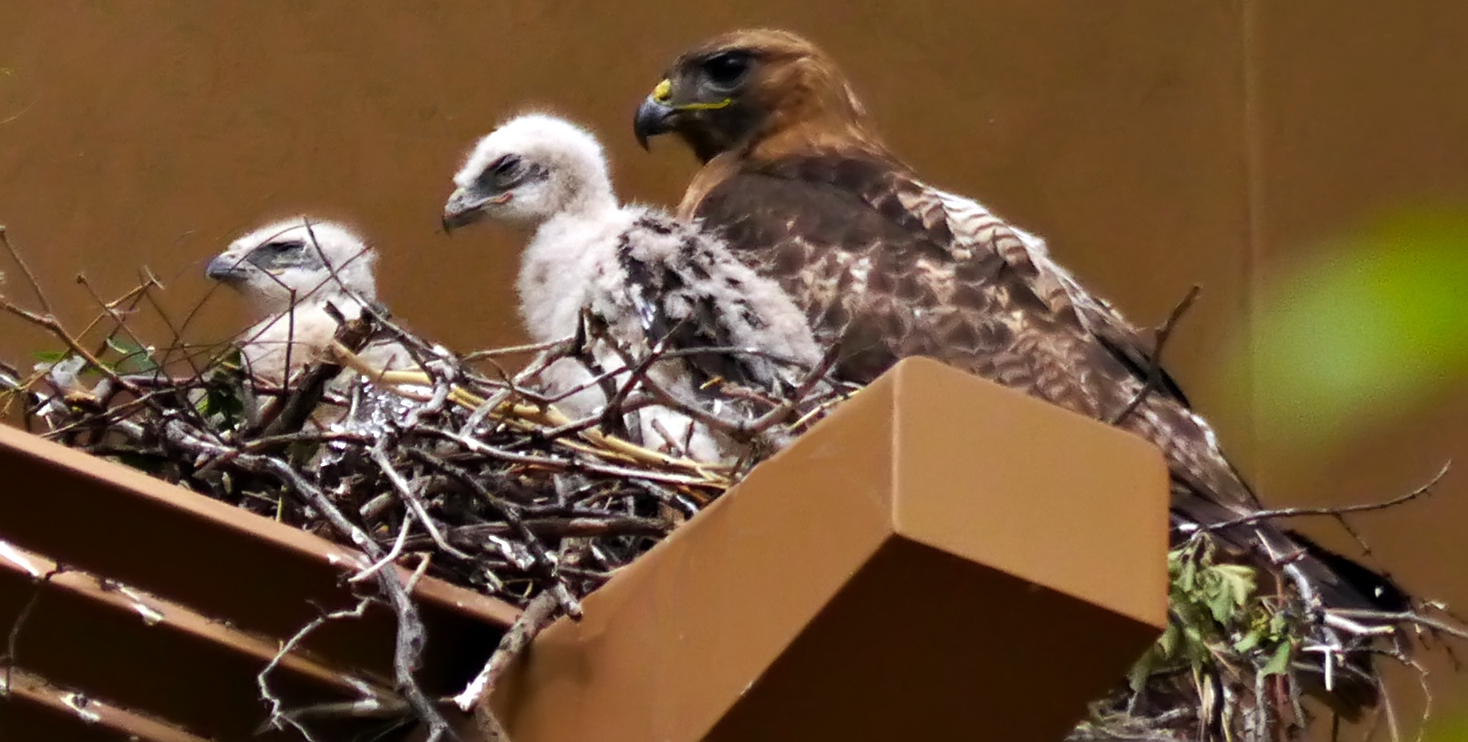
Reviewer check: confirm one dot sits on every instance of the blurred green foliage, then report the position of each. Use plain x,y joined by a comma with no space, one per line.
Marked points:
1364,328
1451,727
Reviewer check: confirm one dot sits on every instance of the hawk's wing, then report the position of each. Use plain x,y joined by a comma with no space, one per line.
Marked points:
893,267
1124,341
907,269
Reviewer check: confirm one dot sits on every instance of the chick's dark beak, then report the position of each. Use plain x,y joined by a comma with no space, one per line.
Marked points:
224,268
653,118
463,208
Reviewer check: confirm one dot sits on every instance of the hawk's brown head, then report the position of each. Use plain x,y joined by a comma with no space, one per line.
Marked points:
749,90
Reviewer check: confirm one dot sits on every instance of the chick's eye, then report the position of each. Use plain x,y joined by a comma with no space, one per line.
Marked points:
284,246
726,68
505,165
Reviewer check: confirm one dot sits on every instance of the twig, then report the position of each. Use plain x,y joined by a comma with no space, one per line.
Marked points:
582,527
411,499
12,640
514,350
410,636
361,708
25,268
536,616
556,464
1408,617
392,554
1330,510
1154,368
262,680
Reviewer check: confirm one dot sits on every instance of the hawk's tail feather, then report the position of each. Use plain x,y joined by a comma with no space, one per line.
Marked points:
1339,581
1346,583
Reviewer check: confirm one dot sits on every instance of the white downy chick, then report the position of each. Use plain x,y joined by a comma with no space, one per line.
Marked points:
290,271
649,277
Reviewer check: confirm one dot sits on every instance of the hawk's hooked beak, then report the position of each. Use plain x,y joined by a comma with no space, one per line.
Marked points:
655,115
224,268
658,114
465,207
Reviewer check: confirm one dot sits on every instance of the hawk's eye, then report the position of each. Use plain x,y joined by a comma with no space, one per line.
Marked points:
505,165
726,68
277,253
283,246
499,174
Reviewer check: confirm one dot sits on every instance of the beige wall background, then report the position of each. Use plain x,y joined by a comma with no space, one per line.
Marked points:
1156,143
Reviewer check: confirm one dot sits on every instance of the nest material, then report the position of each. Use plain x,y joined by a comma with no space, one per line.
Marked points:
467,473
460,470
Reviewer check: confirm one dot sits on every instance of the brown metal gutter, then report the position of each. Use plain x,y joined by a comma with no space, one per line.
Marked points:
211,592
942,558
38,710
219,560
149,653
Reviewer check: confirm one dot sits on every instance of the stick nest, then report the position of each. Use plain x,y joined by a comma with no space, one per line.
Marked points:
465,472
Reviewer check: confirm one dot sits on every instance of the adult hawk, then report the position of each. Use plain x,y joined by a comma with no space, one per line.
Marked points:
797,181
648,278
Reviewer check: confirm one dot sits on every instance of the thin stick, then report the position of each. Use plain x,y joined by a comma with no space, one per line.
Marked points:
1154,369
1409,617
513,350
25,268
1332,510
411,499
12,640
392,554
536,616
262,679
410,636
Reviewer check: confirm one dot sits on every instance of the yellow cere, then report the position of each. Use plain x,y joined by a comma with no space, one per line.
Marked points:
705,106
663,93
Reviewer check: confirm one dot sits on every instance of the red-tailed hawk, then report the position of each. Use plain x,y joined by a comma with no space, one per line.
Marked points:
797,181
290,271
650,280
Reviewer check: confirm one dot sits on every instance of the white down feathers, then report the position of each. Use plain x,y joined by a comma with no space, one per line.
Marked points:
642,273
290,271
